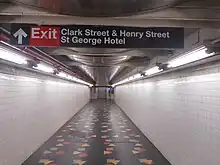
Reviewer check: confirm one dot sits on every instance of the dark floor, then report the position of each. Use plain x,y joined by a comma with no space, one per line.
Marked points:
100,134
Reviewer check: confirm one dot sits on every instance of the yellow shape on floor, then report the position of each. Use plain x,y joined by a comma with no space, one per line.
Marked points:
113,161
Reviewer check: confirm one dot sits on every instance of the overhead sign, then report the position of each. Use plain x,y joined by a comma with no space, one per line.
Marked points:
97,36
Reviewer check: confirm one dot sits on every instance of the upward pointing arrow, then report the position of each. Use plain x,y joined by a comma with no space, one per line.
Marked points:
20,34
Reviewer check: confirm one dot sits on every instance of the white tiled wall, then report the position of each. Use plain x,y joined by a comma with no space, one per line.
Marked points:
31,110
180,116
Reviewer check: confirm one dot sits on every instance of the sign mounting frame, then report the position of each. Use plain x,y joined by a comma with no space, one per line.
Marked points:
97,36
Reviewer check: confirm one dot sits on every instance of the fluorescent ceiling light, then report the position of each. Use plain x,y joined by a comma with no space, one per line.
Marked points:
190,57
87,71
124,57
44,68
72,78
62,75
5,43
11,56
115,71
81,81
135,77
195,55
65,75
153,70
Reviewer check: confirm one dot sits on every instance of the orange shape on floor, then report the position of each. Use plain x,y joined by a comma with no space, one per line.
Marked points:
107,152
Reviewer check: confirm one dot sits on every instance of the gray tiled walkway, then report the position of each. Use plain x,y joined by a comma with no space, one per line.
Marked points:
99,134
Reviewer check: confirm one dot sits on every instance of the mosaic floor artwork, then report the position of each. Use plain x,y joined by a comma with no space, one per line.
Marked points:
99,134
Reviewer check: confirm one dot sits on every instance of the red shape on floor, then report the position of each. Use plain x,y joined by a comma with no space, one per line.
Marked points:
60,152
83,155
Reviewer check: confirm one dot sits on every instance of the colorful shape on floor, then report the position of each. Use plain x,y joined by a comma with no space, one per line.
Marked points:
134,141
46,161
60,140
82,155
59,152
59,136
107,152
85,145
104,137
108,140
81,149
78,162
137,151
107,143
113,161
137,148
76,152
47,152
60,145
104,131
110,149
54,149
138,145
111,145
146,161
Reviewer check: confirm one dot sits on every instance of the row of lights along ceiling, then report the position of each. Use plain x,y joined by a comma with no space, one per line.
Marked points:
10,55
195,55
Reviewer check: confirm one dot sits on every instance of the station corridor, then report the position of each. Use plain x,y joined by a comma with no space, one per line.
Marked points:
109,82
100,133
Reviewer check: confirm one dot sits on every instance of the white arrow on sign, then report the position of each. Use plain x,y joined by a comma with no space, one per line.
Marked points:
20,34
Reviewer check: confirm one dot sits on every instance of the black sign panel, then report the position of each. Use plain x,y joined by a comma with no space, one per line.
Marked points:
97,36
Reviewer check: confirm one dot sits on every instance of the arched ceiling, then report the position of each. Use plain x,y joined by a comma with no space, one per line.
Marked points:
100,8
105,64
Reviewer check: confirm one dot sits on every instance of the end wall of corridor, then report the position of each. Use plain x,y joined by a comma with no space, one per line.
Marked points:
179,112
